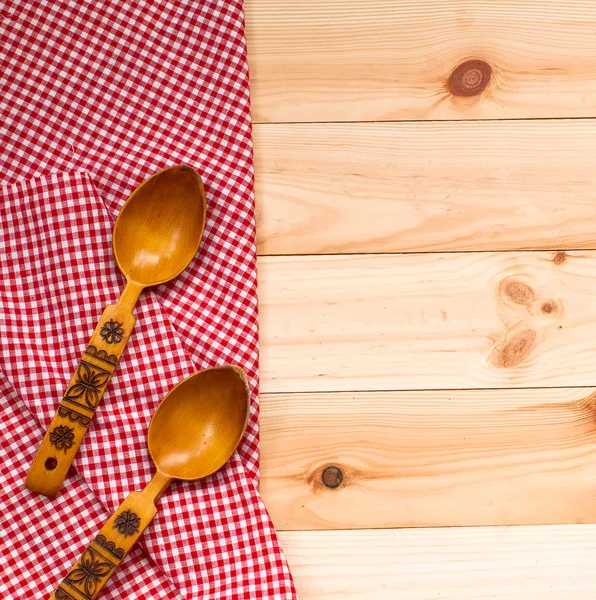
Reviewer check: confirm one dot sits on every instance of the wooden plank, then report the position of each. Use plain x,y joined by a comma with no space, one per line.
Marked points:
509,563
403,187
419,459
357,60
428,321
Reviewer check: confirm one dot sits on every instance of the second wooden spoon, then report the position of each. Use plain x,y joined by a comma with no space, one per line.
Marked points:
192,434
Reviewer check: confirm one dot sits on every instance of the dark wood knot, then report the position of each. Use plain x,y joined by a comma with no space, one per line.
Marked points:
332,477
470,78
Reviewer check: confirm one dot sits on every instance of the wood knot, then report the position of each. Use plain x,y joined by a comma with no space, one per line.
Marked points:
560,258
549,307
470,78
332,477
515,350
517,291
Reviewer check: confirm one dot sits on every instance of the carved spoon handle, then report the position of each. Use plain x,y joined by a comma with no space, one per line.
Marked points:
83,395
109,547
105,552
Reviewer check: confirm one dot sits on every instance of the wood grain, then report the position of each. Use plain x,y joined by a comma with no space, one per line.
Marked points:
428,321
508,563
479,457
403,187
359,60
335,327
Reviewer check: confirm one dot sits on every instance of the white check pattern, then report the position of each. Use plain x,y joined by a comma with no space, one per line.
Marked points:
96,96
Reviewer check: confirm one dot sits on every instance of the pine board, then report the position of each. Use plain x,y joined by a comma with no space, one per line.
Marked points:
508,563
380,60
425,187
420,459
428,321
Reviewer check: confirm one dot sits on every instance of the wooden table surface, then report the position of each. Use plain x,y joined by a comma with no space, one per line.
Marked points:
426,213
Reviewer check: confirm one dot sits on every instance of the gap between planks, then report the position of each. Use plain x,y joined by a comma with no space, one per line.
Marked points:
410,122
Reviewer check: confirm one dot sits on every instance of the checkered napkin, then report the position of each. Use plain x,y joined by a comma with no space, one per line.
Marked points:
96,96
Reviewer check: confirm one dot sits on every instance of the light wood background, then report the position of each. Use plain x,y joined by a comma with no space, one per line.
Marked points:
427,271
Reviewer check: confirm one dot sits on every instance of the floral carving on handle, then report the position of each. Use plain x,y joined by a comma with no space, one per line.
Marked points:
89,572
62,437
127,523
112,332
88,384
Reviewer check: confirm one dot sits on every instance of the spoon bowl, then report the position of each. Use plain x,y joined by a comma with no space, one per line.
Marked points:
159,228
198,425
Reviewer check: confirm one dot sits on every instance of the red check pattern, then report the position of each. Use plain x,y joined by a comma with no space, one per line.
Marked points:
96,96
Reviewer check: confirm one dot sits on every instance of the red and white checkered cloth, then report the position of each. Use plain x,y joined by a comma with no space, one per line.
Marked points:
96,95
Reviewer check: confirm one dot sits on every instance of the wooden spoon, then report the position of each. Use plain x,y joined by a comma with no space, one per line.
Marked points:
193,433
157,233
